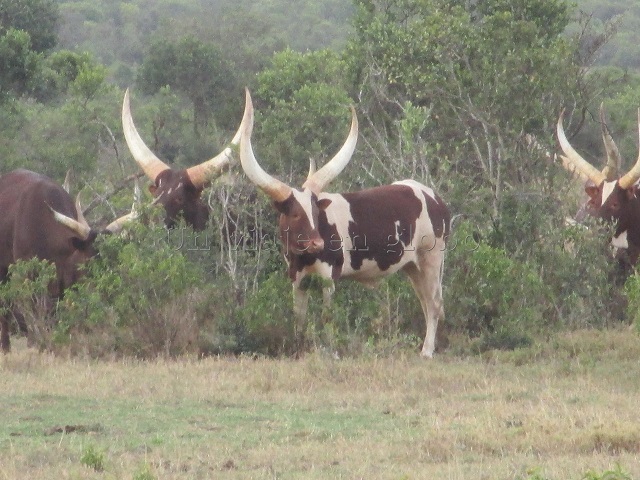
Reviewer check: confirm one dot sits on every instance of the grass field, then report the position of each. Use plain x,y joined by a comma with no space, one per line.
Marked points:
560,410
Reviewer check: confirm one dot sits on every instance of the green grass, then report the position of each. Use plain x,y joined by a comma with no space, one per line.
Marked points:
560,409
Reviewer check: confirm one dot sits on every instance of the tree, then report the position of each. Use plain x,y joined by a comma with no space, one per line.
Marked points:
483,73
18,62
193,68
303,106
38,18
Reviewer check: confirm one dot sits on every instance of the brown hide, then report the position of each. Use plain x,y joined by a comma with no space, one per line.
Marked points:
174,190
28,229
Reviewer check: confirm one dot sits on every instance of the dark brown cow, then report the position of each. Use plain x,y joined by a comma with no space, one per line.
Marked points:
611,197
363,235
39,219
178,191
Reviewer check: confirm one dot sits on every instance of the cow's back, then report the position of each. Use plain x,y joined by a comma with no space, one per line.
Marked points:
27,227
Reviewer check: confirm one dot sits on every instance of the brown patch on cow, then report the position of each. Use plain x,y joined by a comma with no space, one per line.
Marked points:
439,215
384,222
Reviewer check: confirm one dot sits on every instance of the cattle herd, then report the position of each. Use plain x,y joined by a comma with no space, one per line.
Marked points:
363,235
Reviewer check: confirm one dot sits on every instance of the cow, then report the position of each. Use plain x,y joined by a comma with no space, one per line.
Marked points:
611,197
177,190
40,220
363,235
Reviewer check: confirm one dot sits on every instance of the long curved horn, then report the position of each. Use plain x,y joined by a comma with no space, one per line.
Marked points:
151,165
82,230
573,157
320,179
273,187
67,181
614,160
632,175
203,173
312,167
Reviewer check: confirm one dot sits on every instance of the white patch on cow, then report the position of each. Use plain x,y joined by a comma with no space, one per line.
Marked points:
169,192
320,268
424,236
607,190
339,214
304,199
620,241
160,183
179,186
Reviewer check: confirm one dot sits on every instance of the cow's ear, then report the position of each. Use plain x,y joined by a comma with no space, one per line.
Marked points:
591,190
324,203
152,190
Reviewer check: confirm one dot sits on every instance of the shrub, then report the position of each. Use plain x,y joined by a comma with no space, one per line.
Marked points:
491,295
139,297
26,295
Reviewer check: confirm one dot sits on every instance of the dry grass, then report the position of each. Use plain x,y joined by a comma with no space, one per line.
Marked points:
563,408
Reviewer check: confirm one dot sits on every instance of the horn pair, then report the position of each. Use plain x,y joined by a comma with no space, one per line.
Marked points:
153,166
316,180
574,162
81,227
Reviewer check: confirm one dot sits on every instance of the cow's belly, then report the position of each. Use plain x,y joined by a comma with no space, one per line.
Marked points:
370,270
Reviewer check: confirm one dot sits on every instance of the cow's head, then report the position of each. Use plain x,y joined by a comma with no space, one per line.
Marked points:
178,191
81,244
609,196
299,208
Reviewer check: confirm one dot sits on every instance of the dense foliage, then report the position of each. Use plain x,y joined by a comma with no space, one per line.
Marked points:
447,92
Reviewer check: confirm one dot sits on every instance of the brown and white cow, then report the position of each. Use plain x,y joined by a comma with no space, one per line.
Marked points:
612,198
177,190
39,219
362,235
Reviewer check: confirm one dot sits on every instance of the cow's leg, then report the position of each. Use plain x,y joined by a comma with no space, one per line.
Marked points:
426,279
300,305
5,343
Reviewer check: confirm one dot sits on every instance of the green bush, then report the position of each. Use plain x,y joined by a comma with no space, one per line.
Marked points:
139,297
26,295
490,295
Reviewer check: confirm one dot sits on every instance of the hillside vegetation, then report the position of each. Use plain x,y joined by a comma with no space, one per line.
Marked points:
624,17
